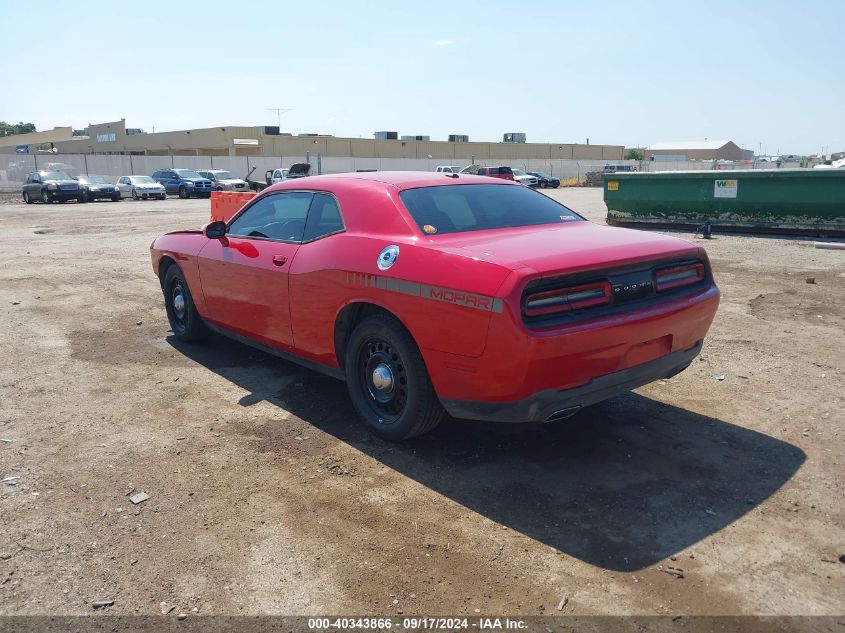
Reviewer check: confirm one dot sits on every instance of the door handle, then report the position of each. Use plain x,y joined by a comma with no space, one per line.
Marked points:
280,260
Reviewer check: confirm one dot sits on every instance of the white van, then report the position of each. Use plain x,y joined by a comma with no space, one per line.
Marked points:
448,169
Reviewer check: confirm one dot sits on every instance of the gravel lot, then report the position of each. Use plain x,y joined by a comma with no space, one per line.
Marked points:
267,496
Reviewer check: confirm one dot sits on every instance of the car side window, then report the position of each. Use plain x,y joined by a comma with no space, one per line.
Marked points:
279,216
323,217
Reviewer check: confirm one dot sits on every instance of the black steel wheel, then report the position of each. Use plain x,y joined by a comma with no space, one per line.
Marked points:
45,197
27,198
185,321
388,382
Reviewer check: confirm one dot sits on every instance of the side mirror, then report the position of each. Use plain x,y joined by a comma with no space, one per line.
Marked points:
214,230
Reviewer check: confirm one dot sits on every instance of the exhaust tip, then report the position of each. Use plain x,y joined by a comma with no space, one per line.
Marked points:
563,414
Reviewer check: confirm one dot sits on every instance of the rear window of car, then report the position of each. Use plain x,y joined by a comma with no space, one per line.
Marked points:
460,208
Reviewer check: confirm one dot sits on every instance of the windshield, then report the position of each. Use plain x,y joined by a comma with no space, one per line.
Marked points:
187,173
55,175
223,175
518,172
541,174
93,180
141,180
458,208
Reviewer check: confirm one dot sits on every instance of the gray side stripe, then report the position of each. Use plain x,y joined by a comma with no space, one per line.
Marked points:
424,291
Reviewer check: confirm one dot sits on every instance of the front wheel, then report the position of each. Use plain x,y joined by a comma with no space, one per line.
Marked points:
115,197
183,192
185,321
388,382
135,195
163,196
45,197
27,198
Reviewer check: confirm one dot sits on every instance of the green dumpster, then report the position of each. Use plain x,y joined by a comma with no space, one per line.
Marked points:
808,201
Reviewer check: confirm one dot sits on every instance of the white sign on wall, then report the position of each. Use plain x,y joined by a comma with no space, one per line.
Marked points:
725,189
106,138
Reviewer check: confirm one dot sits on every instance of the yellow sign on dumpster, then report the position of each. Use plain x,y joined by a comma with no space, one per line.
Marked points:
613,185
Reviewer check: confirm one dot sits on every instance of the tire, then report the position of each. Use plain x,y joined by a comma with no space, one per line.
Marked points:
135,195
183,192
81,199
27,198
115,197
45,197
408,405
163,196
219,189
90,197
185,321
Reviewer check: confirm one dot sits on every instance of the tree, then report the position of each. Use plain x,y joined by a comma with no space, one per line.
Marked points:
10,129
634,154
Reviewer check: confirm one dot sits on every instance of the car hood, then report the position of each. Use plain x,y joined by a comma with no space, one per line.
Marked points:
232,181
202,180
148,185
62,181
299,170
569,247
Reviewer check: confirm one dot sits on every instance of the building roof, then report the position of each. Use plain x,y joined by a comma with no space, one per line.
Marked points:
688,145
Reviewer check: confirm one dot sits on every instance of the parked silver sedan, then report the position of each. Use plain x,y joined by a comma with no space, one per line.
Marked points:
223,180
140,188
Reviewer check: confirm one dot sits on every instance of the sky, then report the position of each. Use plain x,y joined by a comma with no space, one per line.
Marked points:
766,74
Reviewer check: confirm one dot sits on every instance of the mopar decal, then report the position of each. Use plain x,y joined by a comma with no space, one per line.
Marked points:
432,293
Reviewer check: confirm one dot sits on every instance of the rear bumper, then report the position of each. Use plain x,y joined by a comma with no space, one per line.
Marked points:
553,404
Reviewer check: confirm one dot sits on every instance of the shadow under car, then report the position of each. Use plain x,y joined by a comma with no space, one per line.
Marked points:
621,485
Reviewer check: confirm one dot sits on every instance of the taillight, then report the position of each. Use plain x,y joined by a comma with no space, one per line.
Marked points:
678,276
567,299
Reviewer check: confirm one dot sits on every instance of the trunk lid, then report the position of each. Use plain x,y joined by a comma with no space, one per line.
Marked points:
561,248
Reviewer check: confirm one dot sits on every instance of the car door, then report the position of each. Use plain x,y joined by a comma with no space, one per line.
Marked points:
34,186
245,276
124,187
169,180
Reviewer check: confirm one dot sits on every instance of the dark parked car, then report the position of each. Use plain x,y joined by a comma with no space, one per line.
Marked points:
184,182
51,186
97,187
545,179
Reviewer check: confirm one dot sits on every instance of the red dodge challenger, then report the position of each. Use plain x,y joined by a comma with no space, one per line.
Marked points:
431,293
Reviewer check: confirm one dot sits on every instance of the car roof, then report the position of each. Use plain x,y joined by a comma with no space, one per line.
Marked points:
413,179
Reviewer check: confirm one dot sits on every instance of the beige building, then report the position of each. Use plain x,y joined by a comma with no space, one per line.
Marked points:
112,138
696,150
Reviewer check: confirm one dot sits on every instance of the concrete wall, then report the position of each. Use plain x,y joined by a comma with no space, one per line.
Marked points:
729,151
219,141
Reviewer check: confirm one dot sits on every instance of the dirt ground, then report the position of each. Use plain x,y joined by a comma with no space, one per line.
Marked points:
267,495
